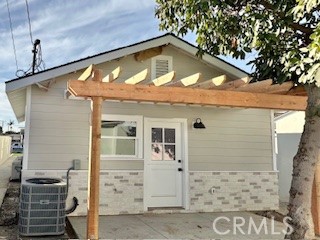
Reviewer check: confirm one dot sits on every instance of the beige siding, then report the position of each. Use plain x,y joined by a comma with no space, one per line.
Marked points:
5,148
235,139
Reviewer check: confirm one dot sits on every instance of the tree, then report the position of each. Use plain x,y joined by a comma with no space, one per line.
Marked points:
284,35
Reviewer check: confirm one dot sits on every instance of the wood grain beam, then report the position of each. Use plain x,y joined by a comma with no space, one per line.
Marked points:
94,161
86,73
139,77
187,81
231,85
143,93
148,53
280,88
164,79
211,83
258,87
113,75
297,91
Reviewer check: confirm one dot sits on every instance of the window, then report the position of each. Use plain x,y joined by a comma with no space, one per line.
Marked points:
160,65
121,137
163,146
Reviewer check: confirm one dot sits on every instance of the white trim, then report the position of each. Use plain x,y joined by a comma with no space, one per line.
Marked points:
185,160
26,141
287,113
154,64
273,140
138,138
185,150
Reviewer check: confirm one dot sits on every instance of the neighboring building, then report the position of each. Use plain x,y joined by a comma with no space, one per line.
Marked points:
151,154
289,126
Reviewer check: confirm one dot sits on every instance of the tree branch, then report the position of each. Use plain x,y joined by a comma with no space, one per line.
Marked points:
294,26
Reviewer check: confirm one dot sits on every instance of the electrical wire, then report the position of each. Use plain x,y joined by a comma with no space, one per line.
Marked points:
12,37
39,64
29,21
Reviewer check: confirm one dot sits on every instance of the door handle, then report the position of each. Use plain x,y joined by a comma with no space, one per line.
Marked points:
180,169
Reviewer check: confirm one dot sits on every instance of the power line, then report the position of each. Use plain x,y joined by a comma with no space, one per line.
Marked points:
13,43
29,21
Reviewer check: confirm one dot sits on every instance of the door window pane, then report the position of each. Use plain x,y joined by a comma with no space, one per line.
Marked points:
169,153
169,135
156,151
156,135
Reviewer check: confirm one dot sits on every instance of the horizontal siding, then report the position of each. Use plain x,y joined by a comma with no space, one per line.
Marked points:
59,129
219,166
234,139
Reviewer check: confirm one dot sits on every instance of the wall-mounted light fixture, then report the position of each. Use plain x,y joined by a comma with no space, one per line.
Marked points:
198,124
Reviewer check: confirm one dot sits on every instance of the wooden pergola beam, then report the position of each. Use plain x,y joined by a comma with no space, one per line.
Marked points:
234,84
139,77
86,73
258,87
280,88
164,79
94,161
187,81
211,83
183,95
113,75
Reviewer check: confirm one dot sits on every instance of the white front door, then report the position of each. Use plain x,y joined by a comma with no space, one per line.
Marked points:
163,167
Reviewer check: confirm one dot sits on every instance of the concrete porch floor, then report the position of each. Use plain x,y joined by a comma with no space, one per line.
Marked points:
178,226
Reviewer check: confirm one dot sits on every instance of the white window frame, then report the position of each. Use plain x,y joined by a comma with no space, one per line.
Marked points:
139,135
153,64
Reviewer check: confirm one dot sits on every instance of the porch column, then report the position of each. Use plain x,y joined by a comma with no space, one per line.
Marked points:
94,164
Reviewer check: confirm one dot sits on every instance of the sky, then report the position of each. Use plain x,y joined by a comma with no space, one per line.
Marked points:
70,30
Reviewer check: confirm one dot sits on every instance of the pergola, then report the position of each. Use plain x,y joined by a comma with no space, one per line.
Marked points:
191,90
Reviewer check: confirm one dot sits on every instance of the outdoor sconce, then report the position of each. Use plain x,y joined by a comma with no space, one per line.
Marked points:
198,124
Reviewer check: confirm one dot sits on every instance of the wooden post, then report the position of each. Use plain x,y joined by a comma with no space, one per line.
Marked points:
315,201
94,165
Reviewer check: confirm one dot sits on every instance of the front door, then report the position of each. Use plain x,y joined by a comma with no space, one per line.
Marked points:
163,156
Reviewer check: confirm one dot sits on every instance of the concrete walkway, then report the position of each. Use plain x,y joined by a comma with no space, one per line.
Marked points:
5,174
182,226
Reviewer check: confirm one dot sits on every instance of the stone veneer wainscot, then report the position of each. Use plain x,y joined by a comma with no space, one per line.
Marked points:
121,192
233,191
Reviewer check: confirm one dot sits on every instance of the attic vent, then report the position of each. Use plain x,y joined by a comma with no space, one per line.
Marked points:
160,65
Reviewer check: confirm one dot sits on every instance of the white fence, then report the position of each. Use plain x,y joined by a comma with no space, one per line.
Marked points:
5,148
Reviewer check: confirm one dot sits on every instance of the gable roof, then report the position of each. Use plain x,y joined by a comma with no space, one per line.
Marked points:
166,39
16,88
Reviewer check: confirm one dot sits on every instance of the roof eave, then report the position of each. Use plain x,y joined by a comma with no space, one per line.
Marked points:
118,53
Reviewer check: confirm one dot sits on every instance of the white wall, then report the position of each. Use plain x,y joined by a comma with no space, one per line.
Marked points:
288,128
287,148
5,148
291,122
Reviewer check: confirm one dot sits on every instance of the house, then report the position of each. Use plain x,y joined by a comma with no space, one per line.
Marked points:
288,127
152,156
